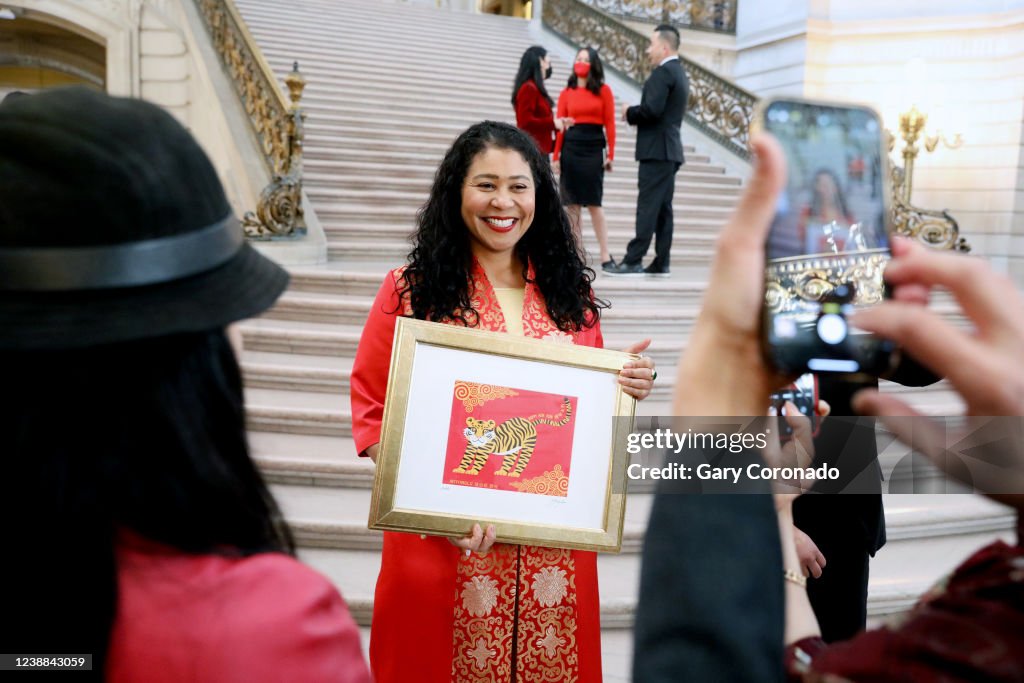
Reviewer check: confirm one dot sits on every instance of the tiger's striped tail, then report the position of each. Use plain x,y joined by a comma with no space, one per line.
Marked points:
562,418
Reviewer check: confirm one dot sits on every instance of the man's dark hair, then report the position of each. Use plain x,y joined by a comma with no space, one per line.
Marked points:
669,34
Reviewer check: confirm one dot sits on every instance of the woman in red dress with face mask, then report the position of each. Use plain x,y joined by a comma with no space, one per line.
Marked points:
585,150
531,99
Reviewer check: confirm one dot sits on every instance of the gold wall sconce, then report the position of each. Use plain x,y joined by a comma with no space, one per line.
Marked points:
912,130
936,229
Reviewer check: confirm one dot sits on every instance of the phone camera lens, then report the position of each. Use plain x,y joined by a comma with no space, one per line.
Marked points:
832,328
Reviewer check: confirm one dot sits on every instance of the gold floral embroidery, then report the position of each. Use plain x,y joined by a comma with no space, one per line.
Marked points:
481,653
536,322
549,586
551,483
495,627
542,625
550,642
559,336
480,595
472,394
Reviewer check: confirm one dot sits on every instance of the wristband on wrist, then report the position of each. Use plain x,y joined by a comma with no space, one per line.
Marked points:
795,577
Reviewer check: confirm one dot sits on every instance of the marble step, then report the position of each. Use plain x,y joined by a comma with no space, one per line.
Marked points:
310,460
348,21
297,412
312,339
293,372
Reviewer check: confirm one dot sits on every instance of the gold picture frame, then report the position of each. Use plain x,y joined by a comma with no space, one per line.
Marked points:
458,377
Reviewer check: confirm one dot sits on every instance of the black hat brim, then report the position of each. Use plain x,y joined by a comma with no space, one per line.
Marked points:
241,288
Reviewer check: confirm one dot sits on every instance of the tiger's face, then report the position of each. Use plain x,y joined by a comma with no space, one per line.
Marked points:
479,432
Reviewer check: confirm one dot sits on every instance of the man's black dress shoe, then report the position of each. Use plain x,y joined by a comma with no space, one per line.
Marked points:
657,272
625,269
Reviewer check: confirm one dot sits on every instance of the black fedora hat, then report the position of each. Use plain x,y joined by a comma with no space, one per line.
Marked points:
114,227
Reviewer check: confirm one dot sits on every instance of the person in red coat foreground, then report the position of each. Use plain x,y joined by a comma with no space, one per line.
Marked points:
145,535
493,250
586,150
531,100
970,627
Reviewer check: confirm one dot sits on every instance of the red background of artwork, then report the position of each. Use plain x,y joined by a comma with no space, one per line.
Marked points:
554,444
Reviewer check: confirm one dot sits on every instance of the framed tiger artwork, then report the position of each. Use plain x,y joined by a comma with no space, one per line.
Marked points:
526,434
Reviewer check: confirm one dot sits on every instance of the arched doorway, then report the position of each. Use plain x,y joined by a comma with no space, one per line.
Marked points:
40,51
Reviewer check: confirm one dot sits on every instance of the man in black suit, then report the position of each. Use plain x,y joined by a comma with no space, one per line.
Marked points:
659,150
846,529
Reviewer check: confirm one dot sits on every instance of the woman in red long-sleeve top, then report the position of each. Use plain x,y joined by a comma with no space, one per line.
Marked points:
531,100
585,150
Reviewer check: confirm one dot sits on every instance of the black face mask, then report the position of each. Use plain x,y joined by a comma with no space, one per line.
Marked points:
547,74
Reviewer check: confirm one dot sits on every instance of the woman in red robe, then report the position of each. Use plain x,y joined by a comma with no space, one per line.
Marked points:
532,102
495,250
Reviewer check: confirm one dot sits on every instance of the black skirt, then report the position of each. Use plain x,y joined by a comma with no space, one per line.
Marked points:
582,159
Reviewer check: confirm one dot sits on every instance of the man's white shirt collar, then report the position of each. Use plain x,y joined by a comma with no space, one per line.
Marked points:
668,59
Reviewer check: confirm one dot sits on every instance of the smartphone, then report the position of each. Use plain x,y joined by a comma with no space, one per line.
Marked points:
829,240
803,393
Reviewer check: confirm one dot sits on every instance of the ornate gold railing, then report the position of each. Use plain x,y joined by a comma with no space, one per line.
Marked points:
277,122
703,15
936,229
721,109
795,285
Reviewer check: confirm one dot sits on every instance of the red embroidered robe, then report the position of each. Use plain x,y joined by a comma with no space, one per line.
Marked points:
441,616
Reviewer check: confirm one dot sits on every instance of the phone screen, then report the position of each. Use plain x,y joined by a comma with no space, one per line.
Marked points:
829,240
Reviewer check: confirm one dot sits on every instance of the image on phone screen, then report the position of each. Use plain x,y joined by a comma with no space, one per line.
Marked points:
829,240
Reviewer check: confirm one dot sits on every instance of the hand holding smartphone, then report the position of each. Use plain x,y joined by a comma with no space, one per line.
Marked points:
829,240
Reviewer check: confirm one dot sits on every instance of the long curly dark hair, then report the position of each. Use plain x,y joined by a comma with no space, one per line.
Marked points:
595,79
437,279
150,439
529,70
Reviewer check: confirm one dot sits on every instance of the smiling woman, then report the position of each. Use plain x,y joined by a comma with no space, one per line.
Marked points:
494,250
498,203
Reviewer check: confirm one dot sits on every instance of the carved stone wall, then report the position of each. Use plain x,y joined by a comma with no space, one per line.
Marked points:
164,71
